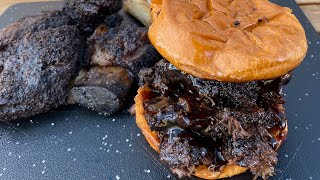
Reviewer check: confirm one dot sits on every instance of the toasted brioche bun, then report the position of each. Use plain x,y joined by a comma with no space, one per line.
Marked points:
201,171
229,41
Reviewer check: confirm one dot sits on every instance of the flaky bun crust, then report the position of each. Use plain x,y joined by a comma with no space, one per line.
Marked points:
201,171
230,41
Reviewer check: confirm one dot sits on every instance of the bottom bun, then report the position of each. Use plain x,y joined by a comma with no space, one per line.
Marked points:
201,171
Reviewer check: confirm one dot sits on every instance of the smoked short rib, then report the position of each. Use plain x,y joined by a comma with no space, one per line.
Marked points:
38,58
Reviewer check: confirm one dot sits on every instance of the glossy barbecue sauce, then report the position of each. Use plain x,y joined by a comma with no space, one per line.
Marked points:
173,129
184,111
279,131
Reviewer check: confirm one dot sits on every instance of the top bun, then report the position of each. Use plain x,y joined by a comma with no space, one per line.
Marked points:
230,41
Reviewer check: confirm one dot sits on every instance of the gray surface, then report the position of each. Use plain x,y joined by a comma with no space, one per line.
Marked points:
71,143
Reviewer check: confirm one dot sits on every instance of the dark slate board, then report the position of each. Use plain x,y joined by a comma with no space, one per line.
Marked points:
74,143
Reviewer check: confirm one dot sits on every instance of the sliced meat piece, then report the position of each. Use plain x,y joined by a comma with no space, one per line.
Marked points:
89,13
102,89
127,46
38,58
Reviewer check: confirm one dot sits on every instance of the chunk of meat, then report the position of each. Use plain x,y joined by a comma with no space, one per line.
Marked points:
126,46
102,89
38,58
89,13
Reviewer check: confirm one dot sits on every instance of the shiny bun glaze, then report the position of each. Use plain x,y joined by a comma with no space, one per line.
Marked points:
201,171
230,41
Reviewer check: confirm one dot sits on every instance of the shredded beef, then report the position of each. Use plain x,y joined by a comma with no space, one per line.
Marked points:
210,122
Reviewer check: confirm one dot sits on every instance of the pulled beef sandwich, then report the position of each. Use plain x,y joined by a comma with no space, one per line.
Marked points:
214,107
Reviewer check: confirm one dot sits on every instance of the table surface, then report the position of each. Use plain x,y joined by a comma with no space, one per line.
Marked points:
310,7
74,143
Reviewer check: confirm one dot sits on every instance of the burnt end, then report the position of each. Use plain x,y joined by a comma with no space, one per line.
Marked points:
103,90
39,61
235,119
125,46
86,14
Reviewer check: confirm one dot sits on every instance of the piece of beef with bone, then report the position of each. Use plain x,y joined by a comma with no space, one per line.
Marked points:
117,55
40,56
38,59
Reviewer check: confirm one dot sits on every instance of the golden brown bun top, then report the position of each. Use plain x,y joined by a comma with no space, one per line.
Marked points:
228,40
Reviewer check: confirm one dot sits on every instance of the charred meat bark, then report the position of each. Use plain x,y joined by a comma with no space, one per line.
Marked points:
89,13
113,20
116,55
102,89
126,46
40,55
38,58
211,123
